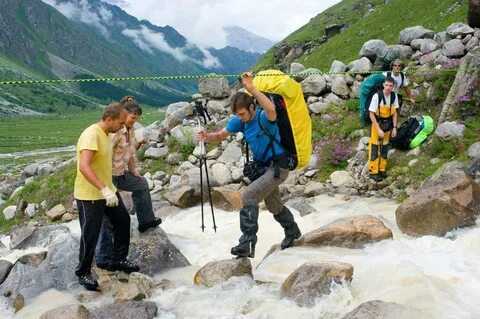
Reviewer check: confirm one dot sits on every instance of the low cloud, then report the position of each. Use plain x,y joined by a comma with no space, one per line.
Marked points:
82,11
149,41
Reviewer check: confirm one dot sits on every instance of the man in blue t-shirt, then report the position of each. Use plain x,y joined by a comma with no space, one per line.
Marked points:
260,129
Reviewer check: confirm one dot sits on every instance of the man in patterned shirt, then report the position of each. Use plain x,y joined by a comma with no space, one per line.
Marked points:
127,178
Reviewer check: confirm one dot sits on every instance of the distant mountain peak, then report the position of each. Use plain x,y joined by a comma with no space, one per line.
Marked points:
245,40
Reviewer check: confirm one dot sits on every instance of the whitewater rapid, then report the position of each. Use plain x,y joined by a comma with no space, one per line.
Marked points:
438,276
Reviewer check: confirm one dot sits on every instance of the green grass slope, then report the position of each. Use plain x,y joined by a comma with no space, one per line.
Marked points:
385,23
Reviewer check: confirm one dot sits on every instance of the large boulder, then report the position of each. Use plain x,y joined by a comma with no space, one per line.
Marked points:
313,280
373,49
319,107
398,51
418,32
453,49
362,65
218,106
217,272
57,271
176,113
41,236
377,309
465,86
215,87
296,68
446,201
348,232
127,310
337,67
315,84
425,45
459,29
68,312
155,253
340,87
448,130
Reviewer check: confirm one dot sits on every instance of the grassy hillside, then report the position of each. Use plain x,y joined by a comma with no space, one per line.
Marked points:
385,22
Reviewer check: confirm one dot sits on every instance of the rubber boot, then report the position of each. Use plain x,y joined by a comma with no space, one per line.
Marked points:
249,228
290,227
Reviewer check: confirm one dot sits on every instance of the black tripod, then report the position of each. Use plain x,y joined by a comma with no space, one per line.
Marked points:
202,112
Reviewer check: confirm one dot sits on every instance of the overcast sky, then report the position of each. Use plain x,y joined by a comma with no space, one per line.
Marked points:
201,21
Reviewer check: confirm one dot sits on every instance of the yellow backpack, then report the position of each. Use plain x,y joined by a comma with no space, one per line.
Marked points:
293,118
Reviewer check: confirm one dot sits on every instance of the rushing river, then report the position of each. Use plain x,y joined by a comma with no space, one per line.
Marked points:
438,276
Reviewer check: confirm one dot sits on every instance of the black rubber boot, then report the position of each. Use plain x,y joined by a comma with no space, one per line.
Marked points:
290,227
249,228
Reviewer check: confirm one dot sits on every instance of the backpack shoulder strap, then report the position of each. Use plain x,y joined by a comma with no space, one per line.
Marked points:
389,74
402,75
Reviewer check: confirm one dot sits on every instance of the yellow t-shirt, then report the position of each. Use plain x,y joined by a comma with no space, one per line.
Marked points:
94,139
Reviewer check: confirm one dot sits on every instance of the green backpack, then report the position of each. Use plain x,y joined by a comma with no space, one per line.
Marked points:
428,128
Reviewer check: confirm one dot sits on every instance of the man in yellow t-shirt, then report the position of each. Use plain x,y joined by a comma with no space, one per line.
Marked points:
96,196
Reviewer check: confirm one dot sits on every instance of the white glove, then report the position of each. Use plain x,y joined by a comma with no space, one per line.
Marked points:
110,197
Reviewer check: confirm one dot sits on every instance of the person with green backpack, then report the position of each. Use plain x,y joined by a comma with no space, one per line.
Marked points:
401,81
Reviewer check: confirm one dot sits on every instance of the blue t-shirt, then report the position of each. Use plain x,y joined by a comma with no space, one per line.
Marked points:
255,137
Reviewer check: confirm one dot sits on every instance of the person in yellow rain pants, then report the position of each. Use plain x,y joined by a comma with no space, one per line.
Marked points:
383,114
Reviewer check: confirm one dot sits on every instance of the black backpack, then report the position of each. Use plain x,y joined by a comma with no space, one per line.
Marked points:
406,133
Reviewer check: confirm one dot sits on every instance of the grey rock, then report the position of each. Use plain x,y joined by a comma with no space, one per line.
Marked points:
127,310
301,206
377,309
306,73
425,45
314,189
45,169
217,272
218,106
174,158
19,235
418,32
459,29
155,253
318,107
472,43
442,37
214,87
232,154
474,151
156,153
312,280
448,130
221,174
337,67
42,236
332,98
341,178
314,85
363,65
373,49
33,259
340,87
30,170
398,51
183,134
430,58
57,271
296,68
453,48
31,209
9,212
68,312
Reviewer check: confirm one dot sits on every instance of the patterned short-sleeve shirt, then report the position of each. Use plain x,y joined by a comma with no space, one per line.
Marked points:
124,149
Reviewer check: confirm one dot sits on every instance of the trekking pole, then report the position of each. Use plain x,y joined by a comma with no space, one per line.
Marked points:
203,163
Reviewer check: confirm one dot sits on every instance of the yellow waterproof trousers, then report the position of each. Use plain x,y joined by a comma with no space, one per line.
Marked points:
378,152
